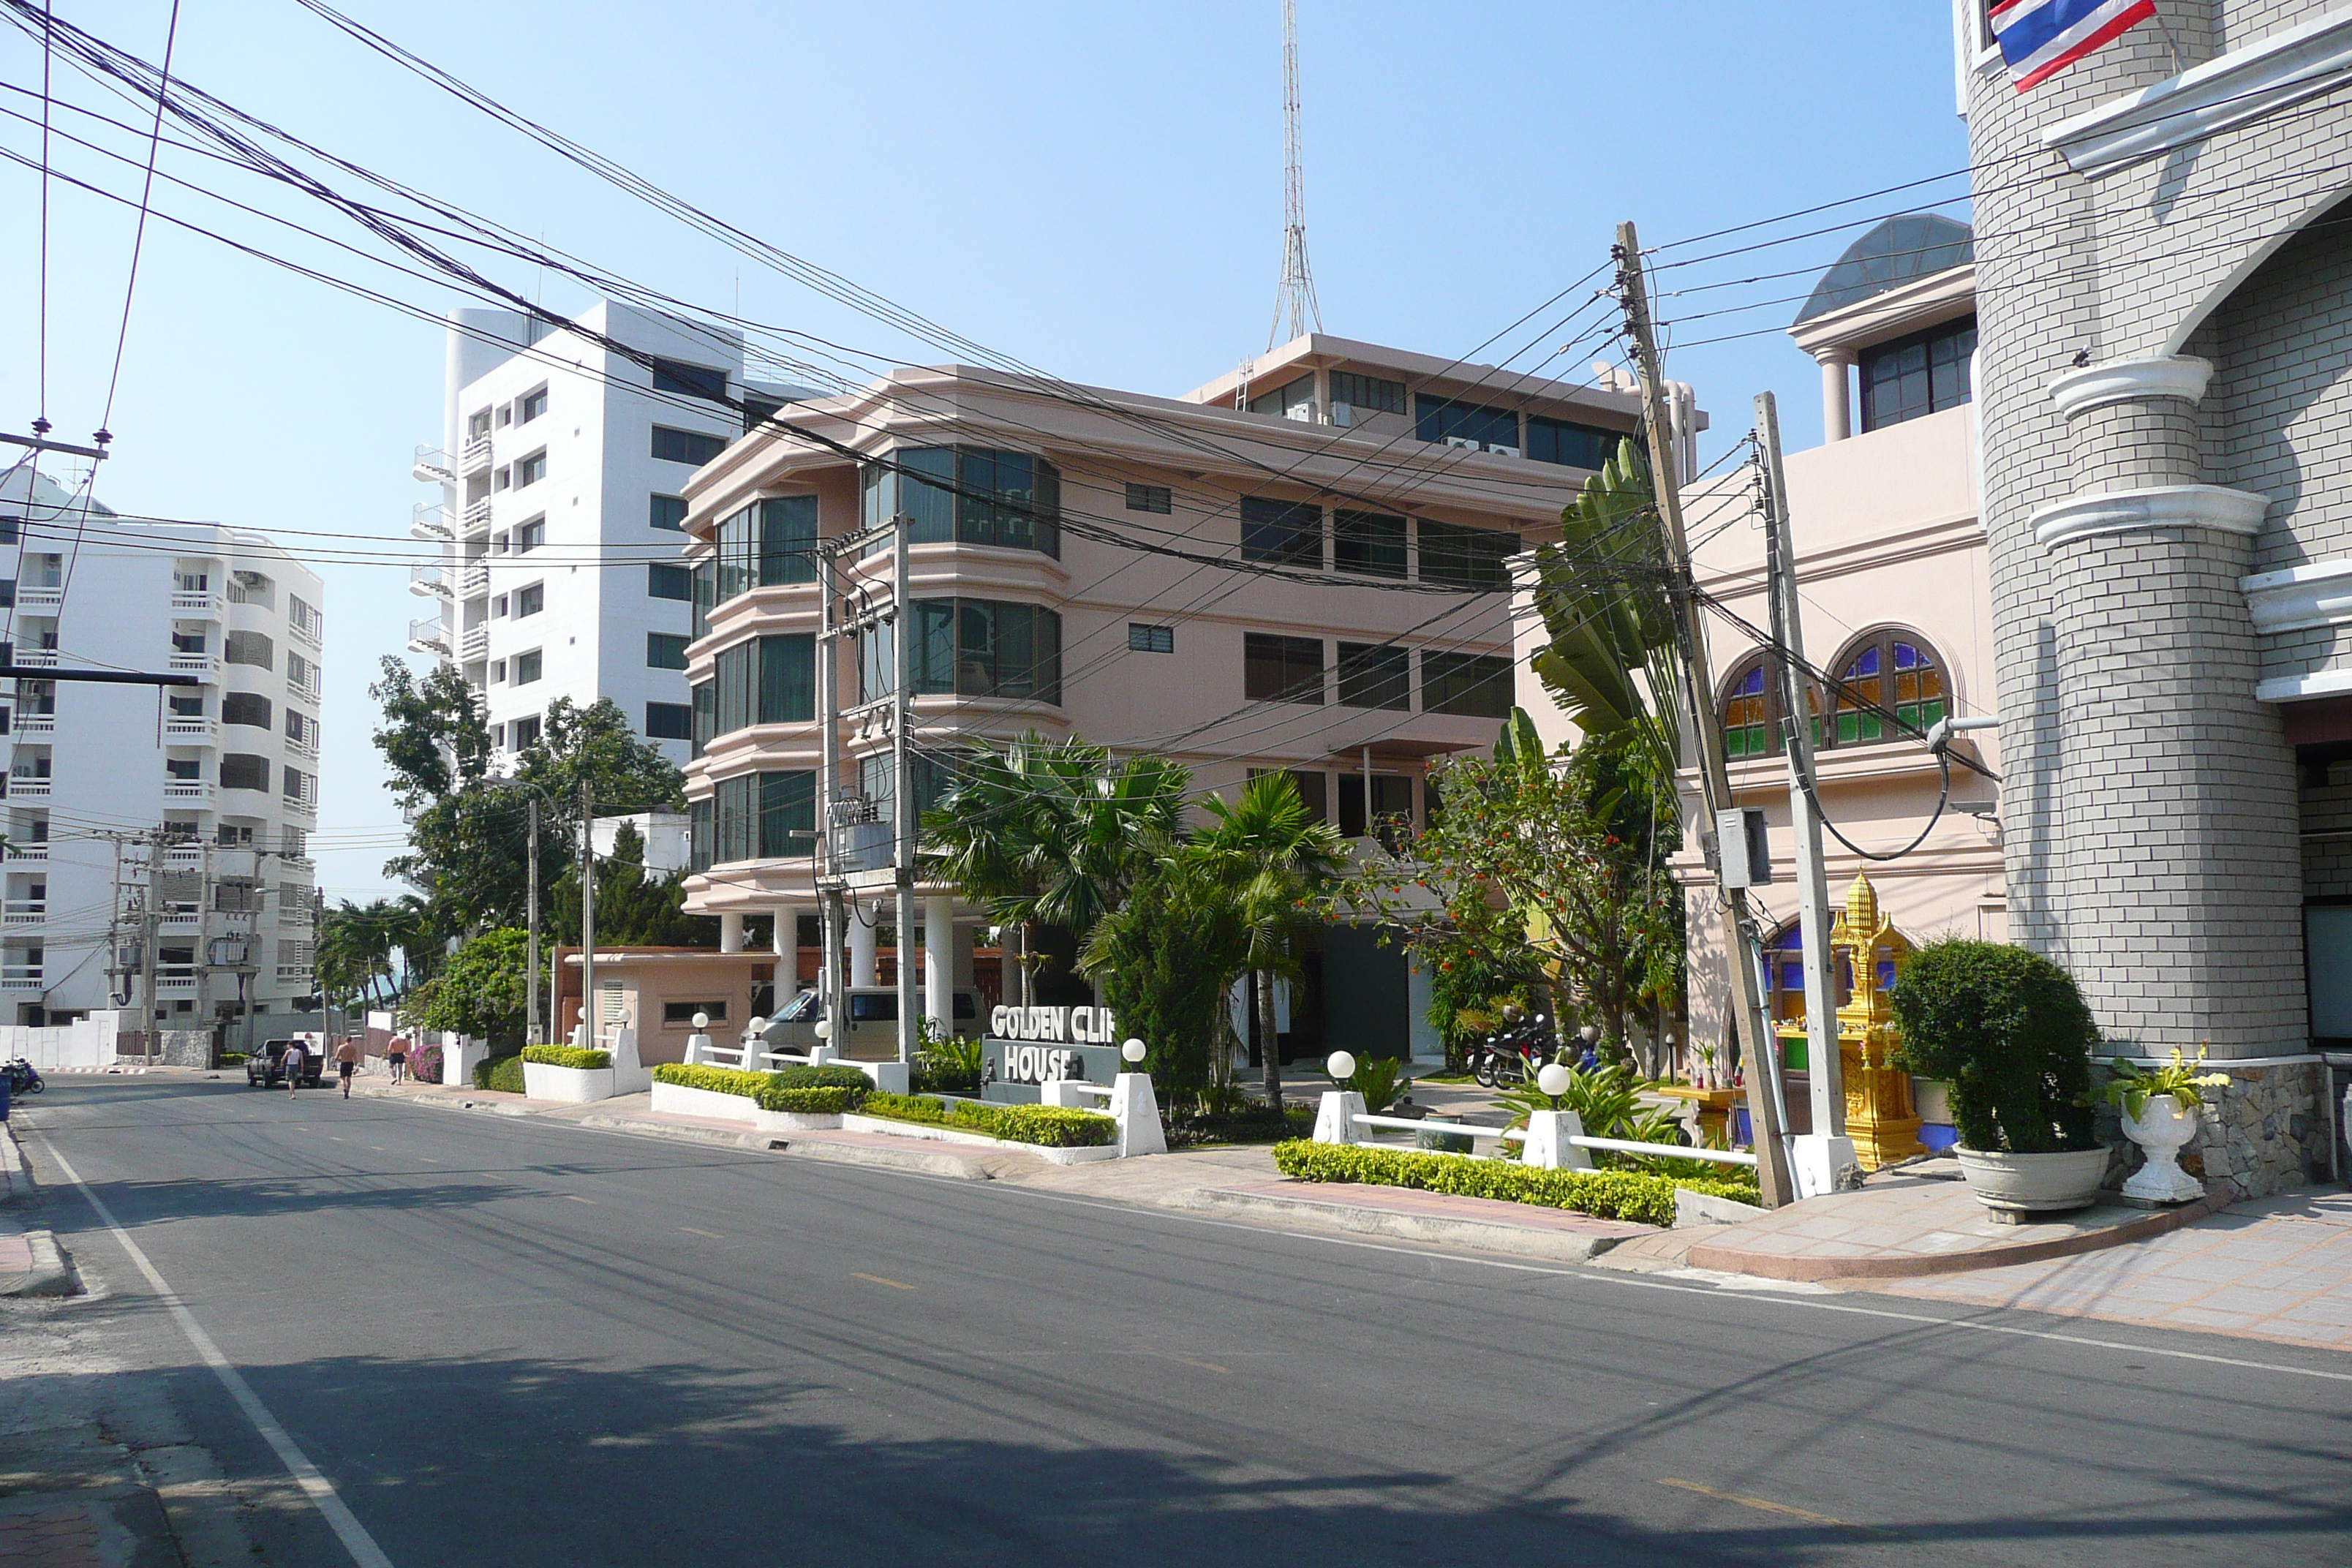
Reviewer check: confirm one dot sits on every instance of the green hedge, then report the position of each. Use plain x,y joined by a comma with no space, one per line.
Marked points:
1605,1195
718,1080
1052,1126
832,1075
578,1057
823,1099
501,1073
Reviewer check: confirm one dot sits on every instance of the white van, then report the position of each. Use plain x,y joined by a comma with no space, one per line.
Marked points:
873,1031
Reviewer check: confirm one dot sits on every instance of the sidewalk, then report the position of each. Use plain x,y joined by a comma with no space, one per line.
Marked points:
31,1263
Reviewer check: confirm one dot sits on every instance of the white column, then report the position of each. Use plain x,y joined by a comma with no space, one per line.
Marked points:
1837,396
786,946
730,933
939,960
1424,1043
861,948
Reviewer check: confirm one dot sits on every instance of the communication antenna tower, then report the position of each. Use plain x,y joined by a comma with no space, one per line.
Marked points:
1294,301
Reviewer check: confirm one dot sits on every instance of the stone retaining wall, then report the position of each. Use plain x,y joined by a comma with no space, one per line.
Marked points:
2263,1133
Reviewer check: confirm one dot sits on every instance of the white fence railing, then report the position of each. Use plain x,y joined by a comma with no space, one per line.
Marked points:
1551,1138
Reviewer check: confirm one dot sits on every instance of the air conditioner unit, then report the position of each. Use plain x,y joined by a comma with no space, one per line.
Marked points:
1302,412
1342,415
1462,441
1502,451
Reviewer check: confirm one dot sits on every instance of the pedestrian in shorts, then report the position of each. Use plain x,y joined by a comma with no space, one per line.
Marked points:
398,1059
292,1063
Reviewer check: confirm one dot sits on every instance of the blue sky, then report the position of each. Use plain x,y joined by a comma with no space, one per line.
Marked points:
1095,189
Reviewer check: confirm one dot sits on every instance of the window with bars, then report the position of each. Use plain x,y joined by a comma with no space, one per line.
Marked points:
1366,393
1150,497
1921,374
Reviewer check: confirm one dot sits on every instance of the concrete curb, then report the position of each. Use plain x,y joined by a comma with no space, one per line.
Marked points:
922,1162
1556,1247
16,1183
51,1274
1727,1259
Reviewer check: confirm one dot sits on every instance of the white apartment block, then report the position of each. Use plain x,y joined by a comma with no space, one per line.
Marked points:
229,766
563,468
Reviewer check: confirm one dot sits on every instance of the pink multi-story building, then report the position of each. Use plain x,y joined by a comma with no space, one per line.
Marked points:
1301,566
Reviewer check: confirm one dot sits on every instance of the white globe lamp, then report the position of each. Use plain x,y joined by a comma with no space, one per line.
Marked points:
1341,1066
701,1021
1132,1051
823,1028
1553,1080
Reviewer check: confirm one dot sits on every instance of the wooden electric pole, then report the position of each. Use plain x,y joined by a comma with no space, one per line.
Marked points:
1741,948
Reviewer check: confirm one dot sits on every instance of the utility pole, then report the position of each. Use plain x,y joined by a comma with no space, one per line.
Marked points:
530,1027
830,931
150,934
587,915
1740,947
902,780
1823,1067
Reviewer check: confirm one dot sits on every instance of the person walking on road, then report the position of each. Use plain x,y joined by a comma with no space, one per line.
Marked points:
347,1062
292,1063
398,1059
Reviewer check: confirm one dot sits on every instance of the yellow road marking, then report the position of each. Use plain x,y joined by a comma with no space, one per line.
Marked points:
1765,1506
697,1230
878,1280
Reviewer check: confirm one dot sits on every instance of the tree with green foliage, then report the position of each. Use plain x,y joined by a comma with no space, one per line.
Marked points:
481,990
635,907
1274,859
2009,1031
356,945
1167,959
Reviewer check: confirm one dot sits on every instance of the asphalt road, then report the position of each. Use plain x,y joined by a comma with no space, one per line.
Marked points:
505,1342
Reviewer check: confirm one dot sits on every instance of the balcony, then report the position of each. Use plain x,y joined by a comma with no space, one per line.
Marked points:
196,604
191,732
36,658
180,922
430,582
475,456
433,466
299,973
311,630
188,792
305,690
185,855
200,664
298,916
430,520
35,723
20,977
476,644
24,786
175,980
428,636
39,596
302,748
301,807
476,517
36,852
24,911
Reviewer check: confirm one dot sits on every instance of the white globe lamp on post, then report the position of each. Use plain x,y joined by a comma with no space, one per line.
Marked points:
1133,1053
1553,1082
1340,1067
698,1044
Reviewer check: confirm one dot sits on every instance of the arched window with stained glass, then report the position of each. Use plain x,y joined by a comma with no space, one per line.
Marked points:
1752,709
1891,684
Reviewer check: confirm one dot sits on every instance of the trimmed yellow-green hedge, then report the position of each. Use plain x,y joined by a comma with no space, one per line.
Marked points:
575,1057
718,1080
823,1101
1050,1126
1606,1195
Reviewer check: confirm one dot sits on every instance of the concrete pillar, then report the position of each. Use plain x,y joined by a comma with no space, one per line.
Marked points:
861,949
939,960
730,933
786,946
1837,392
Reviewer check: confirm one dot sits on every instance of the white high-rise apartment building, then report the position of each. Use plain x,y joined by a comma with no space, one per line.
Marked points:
229,766
562,469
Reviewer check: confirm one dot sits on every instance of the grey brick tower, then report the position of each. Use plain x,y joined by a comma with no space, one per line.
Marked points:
2164,321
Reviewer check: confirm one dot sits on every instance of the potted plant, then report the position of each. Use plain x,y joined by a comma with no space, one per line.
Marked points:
2159,1108
2009,1033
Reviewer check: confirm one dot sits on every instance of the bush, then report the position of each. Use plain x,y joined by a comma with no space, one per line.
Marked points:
718,1080
830,1099
574,1057
1052,1126
2009,1031
1252,1123
830,1075
425,1064
501,1073
1605,1195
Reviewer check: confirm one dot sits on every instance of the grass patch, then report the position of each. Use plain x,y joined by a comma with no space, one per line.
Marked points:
1634,1195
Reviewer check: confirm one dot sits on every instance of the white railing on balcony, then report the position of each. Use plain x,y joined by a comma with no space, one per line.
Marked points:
36,658
190,730
195,664
433,466
185,855
429,637
477,643
188,789
477,516
179,922
34,849
35,723
32,596
473,581
20,977
24,786
299,686
175,979
24,911
476,456
302,748
429,520
199,604
430,580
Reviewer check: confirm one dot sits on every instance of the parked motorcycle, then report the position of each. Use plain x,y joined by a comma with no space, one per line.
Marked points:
1514,1053
24,1078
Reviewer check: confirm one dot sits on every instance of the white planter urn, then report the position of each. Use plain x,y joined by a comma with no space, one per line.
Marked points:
2038,1183
2162,1129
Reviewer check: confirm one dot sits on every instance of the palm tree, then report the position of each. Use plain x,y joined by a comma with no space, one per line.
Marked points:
1274,858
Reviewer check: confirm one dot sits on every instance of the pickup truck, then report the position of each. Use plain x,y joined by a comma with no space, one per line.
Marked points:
873,1032
266,1069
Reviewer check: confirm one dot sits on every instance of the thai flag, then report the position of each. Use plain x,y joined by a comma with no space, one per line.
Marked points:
2038,38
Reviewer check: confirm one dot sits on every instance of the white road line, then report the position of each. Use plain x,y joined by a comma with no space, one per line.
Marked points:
317,1487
